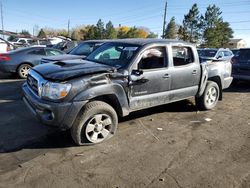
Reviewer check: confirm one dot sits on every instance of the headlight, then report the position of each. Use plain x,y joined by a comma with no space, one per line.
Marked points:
55,90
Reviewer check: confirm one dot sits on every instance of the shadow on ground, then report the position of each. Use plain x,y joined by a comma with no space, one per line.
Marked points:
239,87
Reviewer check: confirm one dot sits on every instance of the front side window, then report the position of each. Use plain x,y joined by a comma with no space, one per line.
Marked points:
182,55
83,49
114,54
52,52
220,55
153,58
208,53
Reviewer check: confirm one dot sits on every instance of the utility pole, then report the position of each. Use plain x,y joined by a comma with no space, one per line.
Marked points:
164,21
68,27
2,18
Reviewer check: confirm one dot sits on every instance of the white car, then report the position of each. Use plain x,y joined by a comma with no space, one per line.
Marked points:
21,41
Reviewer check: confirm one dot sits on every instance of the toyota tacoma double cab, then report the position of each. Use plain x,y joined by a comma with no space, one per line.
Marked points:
120,77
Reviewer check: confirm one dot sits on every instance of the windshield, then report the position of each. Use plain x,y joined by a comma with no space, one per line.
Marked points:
83,49
207,53
114,54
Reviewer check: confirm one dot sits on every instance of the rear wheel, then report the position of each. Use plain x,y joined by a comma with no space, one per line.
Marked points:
209,98
97,123
23,70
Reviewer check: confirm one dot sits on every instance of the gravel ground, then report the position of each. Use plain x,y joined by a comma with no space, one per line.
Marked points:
169,146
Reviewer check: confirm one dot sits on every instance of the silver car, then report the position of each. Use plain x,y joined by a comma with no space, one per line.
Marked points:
215,54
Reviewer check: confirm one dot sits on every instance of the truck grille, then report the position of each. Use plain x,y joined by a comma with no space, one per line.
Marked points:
33,83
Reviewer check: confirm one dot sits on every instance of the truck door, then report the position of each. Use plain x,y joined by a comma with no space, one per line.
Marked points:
149,82
186,73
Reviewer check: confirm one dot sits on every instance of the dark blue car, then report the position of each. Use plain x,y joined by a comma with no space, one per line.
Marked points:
241,65
21,60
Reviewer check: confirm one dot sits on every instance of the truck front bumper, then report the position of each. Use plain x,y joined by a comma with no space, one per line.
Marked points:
61,115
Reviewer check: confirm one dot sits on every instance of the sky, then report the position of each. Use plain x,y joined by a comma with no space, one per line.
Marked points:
28,14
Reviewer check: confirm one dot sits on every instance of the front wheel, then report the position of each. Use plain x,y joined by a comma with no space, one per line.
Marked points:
209,98
97,123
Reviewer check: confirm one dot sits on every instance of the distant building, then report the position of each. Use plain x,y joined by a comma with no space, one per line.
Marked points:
236,43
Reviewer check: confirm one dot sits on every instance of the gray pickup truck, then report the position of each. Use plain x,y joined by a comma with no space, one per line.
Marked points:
120,77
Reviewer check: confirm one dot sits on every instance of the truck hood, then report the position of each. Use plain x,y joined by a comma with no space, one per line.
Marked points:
63,57
64,70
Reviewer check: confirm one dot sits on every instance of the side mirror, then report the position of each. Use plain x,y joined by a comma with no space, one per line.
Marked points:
137,72
219,57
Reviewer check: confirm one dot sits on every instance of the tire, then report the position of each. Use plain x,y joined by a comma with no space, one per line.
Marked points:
95,124
23,70
209,98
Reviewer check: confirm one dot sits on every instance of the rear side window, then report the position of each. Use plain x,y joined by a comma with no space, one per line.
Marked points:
182,55
37,52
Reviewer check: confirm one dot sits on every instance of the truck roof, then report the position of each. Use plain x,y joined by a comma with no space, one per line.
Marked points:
142,42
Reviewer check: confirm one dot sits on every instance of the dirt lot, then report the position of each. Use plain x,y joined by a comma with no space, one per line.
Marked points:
168,146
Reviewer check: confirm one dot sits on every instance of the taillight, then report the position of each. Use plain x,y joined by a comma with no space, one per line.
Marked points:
4,57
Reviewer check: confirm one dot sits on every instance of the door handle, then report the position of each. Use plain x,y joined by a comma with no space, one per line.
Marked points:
194,72
166,76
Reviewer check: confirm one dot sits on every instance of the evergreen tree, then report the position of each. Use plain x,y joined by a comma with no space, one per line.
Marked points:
183,34
11,38
192,25
216,32
211,17
218,36
91,33
25,32
171,30
100,30
110,32
41,34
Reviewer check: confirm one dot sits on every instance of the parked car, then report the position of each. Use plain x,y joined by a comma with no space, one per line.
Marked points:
21,41
116,79
21,60
216,54
41,42
241,65
66,46
81,51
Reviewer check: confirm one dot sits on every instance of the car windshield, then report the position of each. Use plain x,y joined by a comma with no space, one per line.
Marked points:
207,53
83,49
114,54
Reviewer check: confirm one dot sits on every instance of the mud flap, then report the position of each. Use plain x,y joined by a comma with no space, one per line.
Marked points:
204,78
